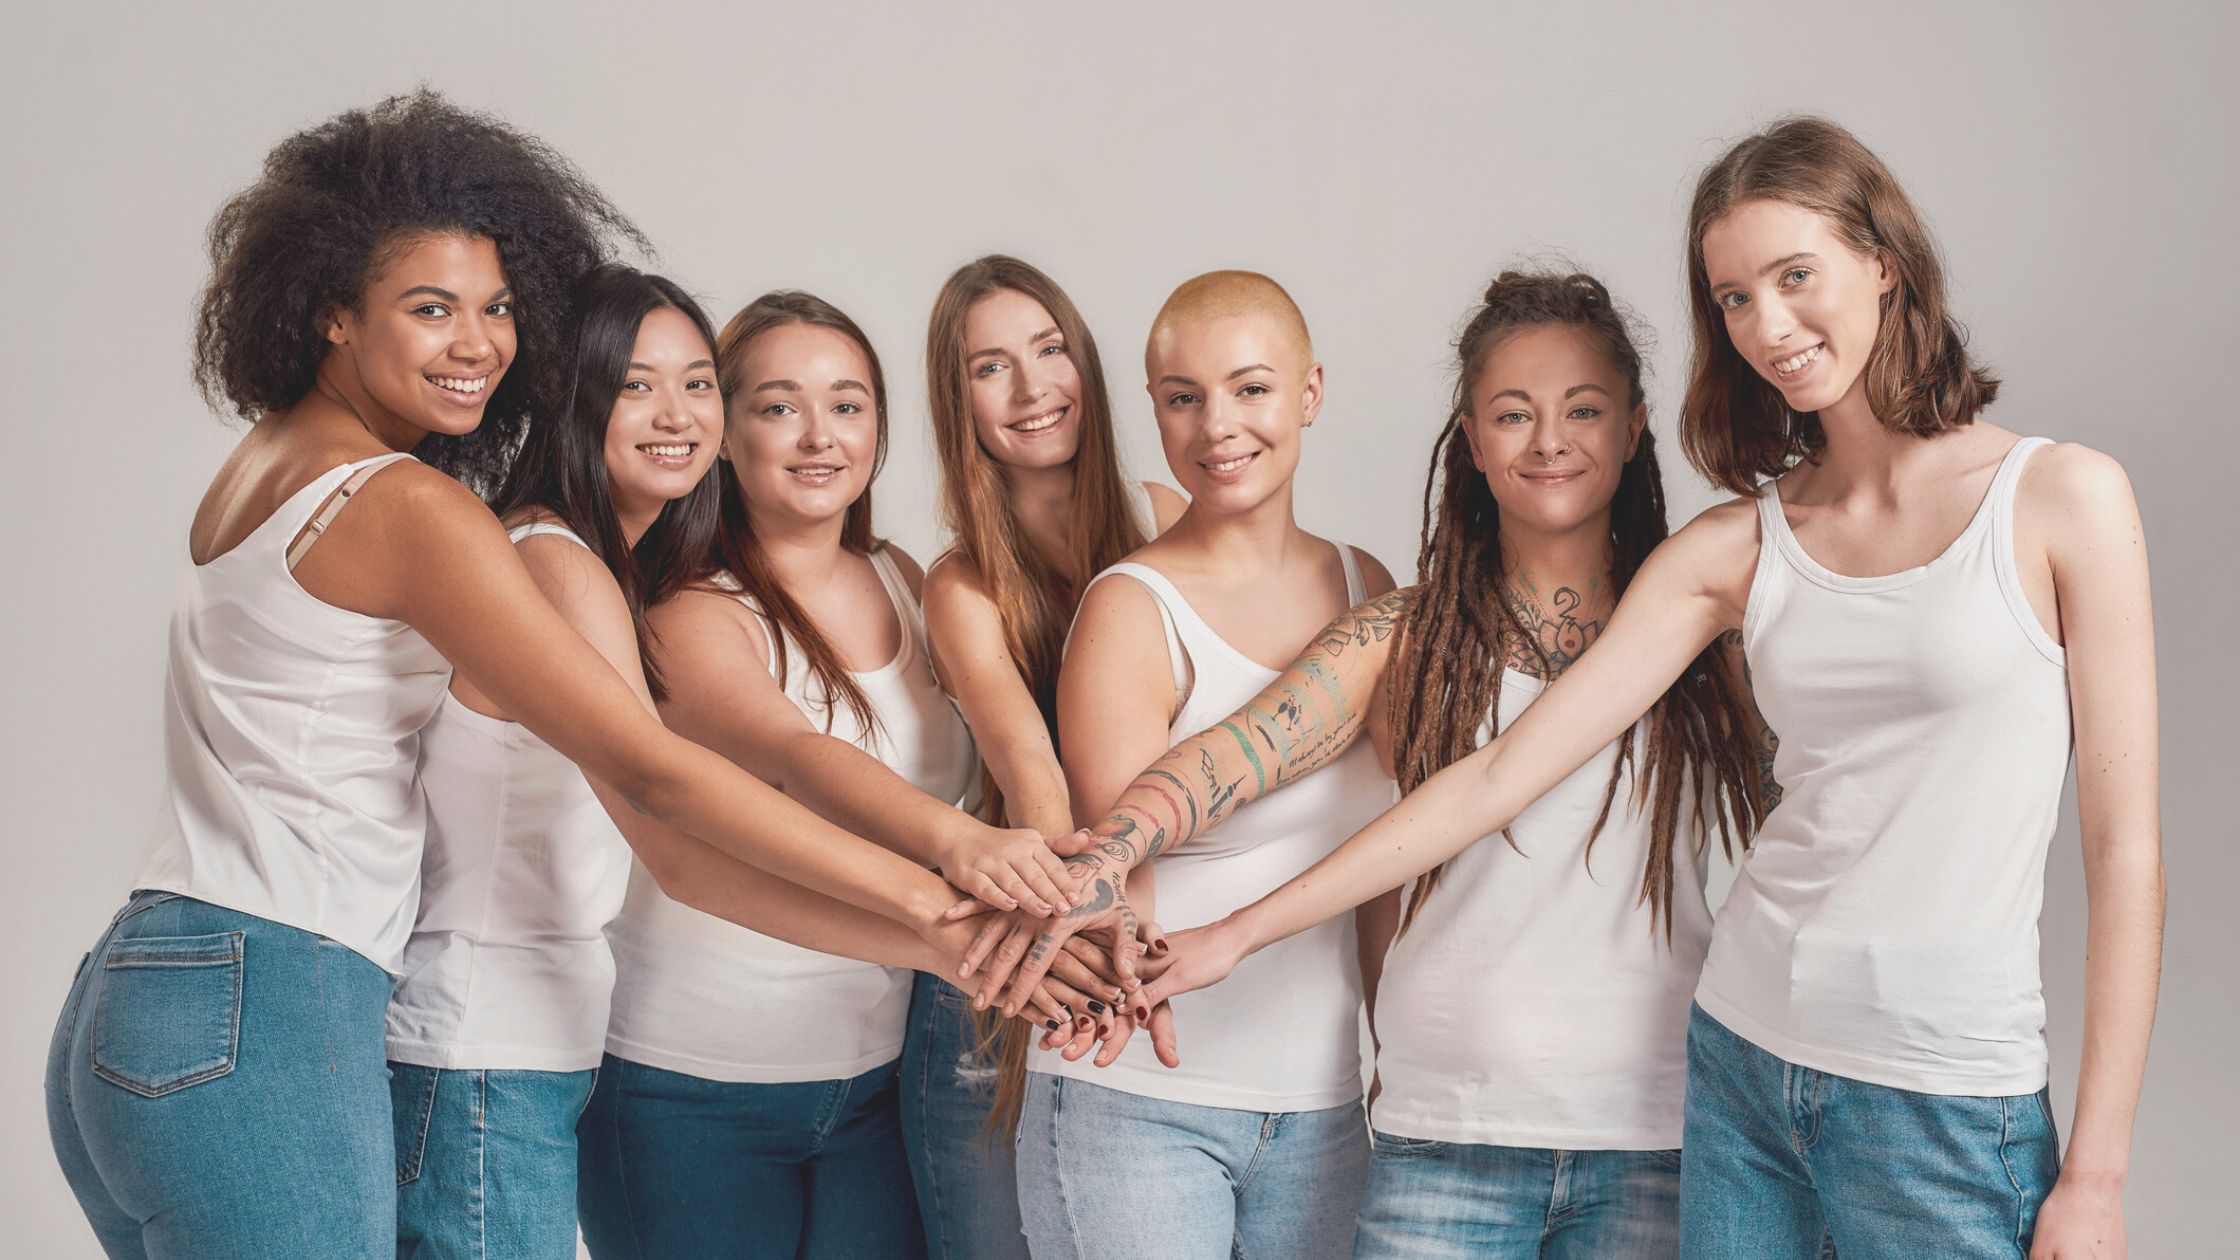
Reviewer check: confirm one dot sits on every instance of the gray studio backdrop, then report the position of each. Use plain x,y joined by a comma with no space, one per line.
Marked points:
2075,159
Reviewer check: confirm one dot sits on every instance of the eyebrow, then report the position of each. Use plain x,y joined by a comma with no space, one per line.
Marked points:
1042,336
447,295
636,366
1777,264
1569,393
795,386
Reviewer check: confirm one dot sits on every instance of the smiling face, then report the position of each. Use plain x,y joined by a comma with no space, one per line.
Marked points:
1231,395
433,336
1801,306
667,421
1551,425
803,428
1022,382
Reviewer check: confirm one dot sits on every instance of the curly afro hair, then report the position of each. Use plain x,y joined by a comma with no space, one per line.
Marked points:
335,200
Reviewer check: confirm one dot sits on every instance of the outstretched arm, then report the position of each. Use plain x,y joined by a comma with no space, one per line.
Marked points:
1299,723
1689,591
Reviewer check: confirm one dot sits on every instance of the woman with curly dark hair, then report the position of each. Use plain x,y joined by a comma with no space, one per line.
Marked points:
217,1083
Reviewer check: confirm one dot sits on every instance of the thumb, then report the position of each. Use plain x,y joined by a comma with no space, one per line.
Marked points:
1072,843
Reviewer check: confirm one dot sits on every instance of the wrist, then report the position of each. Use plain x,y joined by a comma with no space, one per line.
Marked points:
921,905
1247,929
957,838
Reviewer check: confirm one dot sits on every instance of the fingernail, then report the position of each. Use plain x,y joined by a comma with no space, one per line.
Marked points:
1104,1030
1050,1023
1143,1014
1159,946
1081,1022
1096,1006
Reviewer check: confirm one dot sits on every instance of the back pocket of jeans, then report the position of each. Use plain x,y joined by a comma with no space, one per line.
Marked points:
168,1014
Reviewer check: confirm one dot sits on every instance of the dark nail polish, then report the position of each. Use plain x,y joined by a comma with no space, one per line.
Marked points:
1098,1007
1050,1024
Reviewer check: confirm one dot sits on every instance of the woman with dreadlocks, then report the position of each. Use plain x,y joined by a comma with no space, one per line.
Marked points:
1531,1008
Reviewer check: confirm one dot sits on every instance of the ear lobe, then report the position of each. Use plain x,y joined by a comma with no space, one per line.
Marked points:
331,327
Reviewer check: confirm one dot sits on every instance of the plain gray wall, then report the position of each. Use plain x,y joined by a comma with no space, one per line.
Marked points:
2076,161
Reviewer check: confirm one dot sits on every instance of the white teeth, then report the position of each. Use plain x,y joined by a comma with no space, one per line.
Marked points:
1796,363
1039,423
1230,465
677,450
819,471
461,384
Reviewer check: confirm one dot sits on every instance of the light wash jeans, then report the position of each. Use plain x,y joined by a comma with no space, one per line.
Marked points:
967,1190
1783,1160
217,1087
1108,1175
486,1162
1447,1200
675,1166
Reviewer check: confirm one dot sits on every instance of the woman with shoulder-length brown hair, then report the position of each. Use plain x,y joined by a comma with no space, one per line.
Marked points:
1033,495
1936,613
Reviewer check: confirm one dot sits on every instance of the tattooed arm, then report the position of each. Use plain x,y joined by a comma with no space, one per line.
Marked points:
1301,722
1762,737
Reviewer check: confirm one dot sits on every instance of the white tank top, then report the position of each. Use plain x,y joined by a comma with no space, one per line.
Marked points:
508,966
1531,1004
703,996
1885,924
1282,1033
290,732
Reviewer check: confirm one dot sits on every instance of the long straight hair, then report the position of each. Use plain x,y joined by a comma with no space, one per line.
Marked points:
1734,425
1447,664
562,465
732,548
1035,593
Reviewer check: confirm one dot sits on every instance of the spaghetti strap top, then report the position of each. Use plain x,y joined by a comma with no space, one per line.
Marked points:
291,736
1884,925
508,965
706,997
1283,1033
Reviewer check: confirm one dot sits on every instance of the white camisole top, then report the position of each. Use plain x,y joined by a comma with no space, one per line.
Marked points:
291,734
1282,1033
508,965
1885,924
706,997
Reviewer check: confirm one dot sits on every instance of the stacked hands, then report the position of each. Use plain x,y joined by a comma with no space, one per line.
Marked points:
1062,946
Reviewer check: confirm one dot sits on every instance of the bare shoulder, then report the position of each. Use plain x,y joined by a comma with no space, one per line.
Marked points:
955,599
1167,503
1117,605
702,622
576,581
2071,477
1716,554
1376,580
913,575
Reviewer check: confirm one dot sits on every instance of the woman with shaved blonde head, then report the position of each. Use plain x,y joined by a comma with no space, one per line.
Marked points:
1231,1148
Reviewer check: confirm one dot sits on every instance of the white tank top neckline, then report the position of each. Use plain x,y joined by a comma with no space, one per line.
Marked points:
1282,1032
508,965
291,735
706,997
1884,925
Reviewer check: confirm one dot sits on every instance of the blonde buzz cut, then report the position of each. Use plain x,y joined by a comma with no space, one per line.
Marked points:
1219,295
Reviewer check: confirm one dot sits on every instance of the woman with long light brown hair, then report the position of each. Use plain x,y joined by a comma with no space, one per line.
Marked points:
1032,491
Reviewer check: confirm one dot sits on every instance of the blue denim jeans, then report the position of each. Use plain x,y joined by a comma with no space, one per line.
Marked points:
217,1086
1448,1200
486,1162
1782,1157
967,1189
1111,1175
672,1165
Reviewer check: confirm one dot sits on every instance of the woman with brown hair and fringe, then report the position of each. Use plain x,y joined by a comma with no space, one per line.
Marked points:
1937,612
747,1103
1530,995
1032,492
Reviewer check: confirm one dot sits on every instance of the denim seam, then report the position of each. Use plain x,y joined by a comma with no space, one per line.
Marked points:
481,1164
232,960
937,1221
1271,1130
1058,1167
1814,1101
424,1120
2006,1132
